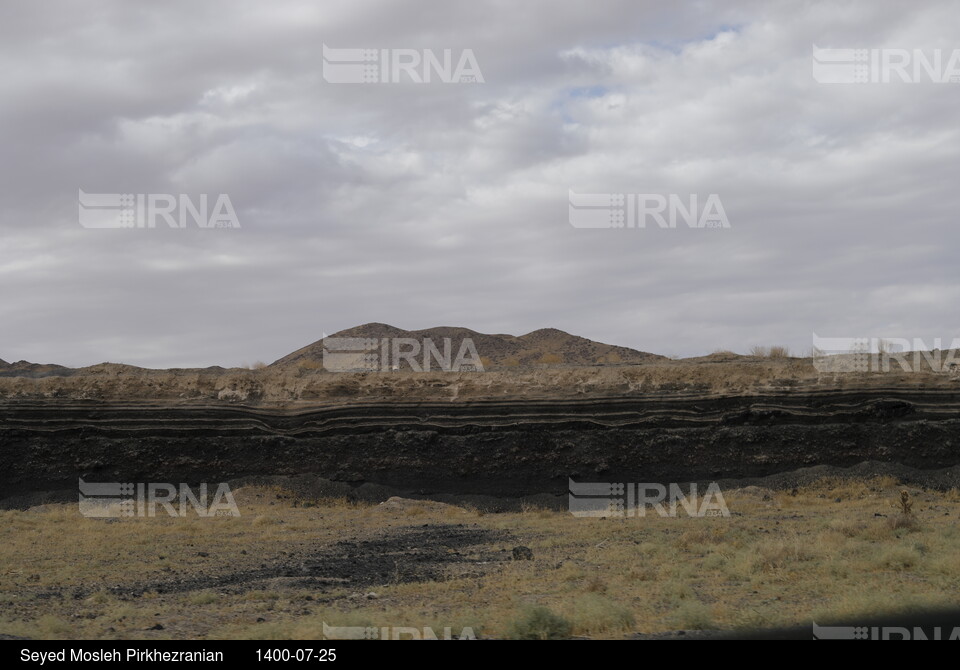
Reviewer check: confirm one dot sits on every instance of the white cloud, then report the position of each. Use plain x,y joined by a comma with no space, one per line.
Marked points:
447,204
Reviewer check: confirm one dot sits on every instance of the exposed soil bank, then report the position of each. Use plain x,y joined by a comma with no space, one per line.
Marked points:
508,449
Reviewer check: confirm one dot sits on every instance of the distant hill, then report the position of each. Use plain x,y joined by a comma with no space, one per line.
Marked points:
27,369
547,346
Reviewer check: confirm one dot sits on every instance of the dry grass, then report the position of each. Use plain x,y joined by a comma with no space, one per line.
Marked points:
776,352
783,558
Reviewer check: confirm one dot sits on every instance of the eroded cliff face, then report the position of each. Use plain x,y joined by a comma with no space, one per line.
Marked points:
518,445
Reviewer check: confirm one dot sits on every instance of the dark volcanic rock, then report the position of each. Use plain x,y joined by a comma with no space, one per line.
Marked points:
522,554
505,449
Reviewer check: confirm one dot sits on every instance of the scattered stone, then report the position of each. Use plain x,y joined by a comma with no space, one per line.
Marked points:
156,626
399,504
522,553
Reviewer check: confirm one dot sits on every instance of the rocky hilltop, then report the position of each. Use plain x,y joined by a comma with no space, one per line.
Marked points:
547,346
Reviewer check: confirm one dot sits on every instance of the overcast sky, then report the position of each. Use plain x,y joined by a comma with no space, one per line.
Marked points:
437,204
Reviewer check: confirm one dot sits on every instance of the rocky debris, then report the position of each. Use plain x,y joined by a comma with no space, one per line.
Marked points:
522,553
398,504
402,555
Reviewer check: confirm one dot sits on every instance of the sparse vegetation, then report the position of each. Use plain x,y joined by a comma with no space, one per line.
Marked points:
906,507
837,548
538,623
593,614
769,352
692,615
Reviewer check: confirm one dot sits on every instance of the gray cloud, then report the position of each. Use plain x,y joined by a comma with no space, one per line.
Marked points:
443,204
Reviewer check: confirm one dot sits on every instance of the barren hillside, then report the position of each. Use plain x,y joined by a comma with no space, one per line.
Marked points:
547,346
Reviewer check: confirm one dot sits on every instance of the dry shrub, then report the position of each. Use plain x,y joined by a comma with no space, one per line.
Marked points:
539,623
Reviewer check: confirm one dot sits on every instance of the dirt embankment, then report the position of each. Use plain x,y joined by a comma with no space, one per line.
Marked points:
503,448
499,433
294,385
